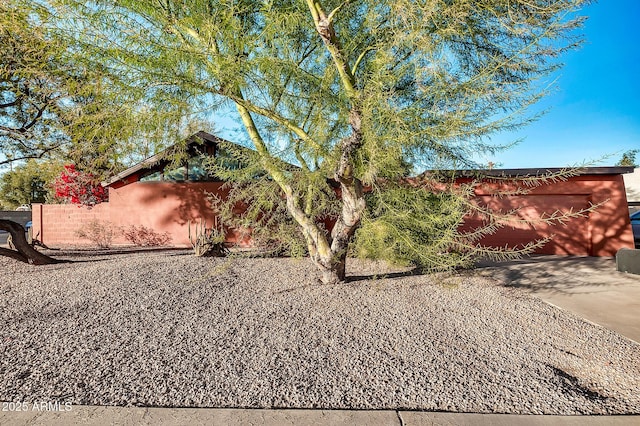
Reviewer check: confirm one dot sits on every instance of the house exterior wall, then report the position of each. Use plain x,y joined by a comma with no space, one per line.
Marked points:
599,233
168,207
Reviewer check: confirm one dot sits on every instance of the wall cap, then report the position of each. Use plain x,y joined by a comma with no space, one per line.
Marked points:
527,172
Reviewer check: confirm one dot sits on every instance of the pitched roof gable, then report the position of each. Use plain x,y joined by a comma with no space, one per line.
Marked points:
154,160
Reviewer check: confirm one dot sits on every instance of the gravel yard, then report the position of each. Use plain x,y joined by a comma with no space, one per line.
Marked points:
164,328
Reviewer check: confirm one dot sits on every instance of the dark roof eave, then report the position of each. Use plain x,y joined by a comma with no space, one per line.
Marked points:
154,159
506,173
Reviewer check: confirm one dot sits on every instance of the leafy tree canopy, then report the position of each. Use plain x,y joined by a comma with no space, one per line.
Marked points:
28,183
29,89
355,93
55,103
629,158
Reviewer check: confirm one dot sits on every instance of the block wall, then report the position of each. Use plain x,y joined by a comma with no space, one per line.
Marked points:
161,206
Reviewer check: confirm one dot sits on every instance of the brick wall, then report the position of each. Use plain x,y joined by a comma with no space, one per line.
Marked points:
56,224
161,206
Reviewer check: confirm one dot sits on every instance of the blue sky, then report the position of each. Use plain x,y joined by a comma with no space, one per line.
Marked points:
595,107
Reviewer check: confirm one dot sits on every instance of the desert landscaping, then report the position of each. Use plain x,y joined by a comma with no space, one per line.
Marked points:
162,328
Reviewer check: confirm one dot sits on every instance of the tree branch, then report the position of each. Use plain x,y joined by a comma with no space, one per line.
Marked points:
310,229
26,157
10,104
336,10
360,58
33,122
25,252
13,254
278,119
325,29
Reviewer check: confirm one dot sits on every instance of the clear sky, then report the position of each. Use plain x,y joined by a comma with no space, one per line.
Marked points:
595,108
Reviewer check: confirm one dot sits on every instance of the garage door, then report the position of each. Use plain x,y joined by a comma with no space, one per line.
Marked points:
571,238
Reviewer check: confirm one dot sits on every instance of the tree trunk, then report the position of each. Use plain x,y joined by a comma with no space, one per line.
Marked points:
353,205
24,252
330,254
333,270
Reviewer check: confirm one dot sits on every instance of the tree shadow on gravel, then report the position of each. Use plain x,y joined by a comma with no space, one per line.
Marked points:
303,287
90,255
353,279
557,274
181,254
571,384
90,260
92,252
383,276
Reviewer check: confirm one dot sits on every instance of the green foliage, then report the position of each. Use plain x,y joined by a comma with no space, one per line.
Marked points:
348,91
411,225
432,79
30,85
628,158
56,102
28,183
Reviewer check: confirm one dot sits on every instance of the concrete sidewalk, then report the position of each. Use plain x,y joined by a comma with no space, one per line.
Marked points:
99,416
589,287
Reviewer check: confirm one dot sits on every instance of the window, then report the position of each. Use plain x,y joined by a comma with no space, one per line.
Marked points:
151,176
197,169
175,175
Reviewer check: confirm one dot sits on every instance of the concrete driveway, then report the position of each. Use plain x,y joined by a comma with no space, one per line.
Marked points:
590,287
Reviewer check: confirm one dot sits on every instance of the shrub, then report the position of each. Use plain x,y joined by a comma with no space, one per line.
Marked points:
146,237
207,241
100,233
77,187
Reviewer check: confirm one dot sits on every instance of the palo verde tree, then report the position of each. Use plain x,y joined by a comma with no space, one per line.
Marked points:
349,91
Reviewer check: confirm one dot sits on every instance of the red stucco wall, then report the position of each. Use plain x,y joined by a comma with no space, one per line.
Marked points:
168,207
599,233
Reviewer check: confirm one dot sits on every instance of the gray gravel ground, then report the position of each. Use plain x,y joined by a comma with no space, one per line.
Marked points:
170,329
